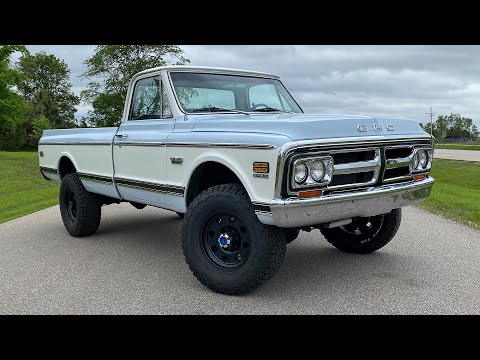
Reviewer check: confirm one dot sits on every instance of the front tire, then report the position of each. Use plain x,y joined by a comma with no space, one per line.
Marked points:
225,245
365,235
81,210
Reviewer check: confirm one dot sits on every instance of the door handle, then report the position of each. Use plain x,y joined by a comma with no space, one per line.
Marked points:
121,136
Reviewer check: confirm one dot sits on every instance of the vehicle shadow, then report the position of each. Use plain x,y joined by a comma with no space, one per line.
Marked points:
316,266
311,264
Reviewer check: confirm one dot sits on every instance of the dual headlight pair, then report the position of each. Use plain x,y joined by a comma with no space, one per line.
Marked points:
312,171
421,159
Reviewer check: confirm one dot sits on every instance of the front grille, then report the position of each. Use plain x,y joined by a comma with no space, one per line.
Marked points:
355,167
397,163
363,166
353,156
348,179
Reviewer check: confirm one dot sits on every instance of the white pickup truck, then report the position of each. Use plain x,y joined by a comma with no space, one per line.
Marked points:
233,152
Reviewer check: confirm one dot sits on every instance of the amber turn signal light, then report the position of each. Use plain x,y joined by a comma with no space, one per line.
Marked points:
309,194
418,177
261,167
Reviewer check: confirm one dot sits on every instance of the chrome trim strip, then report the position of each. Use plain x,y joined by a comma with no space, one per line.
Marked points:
356,167
75,143
287,148
294,212
399,162
220,145
150,186
48,169
147,189
140,143
97,178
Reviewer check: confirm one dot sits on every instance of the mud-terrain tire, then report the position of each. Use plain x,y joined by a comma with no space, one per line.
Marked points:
365,235
225,245
81,210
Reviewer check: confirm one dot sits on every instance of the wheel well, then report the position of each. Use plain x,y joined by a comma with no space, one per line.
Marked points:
207,175
65,167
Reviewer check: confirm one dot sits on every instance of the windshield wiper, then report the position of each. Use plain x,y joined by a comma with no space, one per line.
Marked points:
216,109
270,109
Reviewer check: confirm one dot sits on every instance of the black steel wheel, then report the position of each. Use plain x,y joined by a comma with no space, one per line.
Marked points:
71,205
365,235
81,210
226,240
225,245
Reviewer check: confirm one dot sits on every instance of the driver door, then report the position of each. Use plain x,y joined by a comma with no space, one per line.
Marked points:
139,151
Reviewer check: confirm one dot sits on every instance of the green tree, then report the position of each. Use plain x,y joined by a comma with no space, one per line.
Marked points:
39,124
453,125
111,68
13,108
46,86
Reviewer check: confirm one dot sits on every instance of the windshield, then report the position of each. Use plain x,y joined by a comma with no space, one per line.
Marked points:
231,93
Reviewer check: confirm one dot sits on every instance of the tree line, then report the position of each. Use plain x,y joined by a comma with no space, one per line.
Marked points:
453,126
36,92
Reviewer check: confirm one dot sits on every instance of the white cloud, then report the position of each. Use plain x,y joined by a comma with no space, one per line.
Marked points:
397,81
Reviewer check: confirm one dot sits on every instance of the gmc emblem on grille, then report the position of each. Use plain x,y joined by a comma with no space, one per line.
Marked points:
362,128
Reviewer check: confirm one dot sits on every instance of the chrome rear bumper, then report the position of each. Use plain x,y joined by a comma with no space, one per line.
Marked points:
366,202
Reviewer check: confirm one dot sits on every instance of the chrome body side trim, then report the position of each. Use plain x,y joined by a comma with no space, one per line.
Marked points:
220,145
294,212
76,143
139,143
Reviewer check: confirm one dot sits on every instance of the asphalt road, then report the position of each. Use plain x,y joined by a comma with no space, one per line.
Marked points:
134,265
467,155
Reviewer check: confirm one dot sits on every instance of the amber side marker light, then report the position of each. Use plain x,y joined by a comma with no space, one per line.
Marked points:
309,194
419,177
260,167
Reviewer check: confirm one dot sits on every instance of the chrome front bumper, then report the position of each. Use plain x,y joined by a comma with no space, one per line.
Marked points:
367,202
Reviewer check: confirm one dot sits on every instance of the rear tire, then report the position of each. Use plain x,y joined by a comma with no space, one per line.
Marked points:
81,210
225,245
365,235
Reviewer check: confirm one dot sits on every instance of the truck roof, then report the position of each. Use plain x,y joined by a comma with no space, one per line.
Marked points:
208,69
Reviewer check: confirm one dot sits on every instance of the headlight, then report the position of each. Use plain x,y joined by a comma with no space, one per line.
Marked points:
301,172
317,170
311,172
422,158
415,162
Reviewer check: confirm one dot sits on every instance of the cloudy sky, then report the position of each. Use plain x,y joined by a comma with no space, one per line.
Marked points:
399,81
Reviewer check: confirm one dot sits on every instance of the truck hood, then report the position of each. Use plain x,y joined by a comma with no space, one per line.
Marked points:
306,126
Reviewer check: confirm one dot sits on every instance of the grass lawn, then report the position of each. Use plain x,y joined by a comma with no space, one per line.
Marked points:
457,147
456,192
23,190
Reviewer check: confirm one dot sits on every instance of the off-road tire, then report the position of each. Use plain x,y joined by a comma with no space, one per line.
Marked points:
88,207
267,249
380,235
291,235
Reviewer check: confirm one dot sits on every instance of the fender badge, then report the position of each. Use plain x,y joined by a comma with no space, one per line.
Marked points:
262,176
176,160
362,128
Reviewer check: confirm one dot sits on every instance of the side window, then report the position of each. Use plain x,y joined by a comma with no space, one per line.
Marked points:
146,99
166,109
264,94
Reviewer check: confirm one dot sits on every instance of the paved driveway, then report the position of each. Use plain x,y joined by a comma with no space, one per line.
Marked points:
134,264
468,155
